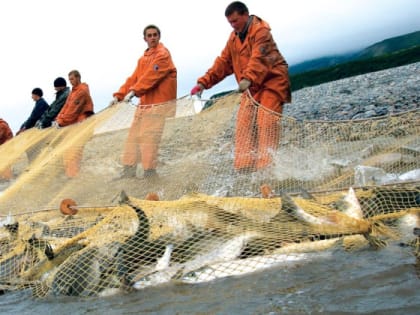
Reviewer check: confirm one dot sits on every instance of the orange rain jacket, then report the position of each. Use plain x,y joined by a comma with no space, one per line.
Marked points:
78,106
154,81
258,60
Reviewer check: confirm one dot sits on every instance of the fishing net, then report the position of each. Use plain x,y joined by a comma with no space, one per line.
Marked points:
70,225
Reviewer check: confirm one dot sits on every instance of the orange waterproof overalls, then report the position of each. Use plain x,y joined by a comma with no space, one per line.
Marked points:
154,81
258,60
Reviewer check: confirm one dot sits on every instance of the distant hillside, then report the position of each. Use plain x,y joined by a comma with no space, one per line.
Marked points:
352,68
390,45
386,46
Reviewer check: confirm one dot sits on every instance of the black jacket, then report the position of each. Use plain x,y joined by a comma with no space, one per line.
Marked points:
40,107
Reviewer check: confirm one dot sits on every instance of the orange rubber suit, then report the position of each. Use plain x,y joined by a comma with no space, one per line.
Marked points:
258,60
154,81
78,107
5,135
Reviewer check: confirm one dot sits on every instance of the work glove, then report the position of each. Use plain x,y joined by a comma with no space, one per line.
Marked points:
55,125
197,90
244,84
129,96
114,101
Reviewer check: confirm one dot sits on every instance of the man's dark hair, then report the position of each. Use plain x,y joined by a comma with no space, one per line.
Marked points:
37,91
236,6
149,27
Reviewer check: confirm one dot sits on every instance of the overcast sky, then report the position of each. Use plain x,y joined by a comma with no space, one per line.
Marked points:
44,39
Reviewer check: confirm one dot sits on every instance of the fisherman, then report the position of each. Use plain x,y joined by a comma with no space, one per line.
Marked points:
260,70
78,107
40,107
153,81
62,92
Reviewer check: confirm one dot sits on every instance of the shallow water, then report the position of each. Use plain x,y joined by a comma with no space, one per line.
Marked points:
364,282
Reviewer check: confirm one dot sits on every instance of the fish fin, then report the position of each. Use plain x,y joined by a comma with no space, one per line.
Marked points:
163,262
123,198
288,205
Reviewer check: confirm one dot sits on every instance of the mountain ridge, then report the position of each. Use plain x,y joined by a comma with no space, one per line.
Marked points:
386,46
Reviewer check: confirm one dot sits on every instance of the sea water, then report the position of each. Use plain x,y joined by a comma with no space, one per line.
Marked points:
383,281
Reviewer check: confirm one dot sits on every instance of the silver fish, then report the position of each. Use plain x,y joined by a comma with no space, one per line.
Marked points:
350,205
406,225
288,205
239,267
219,251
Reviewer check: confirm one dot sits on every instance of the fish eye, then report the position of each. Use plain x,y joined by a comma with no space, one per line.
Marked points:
145,278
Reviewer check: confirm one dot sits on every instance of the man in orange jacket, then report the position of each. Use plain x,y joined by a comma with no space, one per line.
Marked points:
259,68
78,107
154,82
5,135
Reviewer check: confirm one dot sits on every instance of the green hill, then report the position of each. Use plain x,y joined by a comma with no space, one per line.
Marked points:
352,68
386,46
390,45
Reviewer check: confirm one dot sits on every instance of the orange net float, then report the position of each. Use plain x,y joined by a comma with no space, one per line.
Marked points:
152,196
68,207
266,191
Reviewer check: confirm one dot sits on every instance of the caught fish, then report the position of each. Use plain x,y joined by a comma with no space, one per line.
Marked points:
335,223
129,256
406,225
350,205
218,251
239,267
289,206
85,273
45,267
161,273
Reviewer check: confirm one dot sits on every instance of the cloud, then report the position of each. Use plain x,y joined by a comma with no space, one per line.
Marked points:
44,39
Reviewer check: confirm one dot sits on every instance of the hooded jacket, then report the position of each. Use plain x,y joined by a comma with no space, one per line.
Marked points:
78,106
5,131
